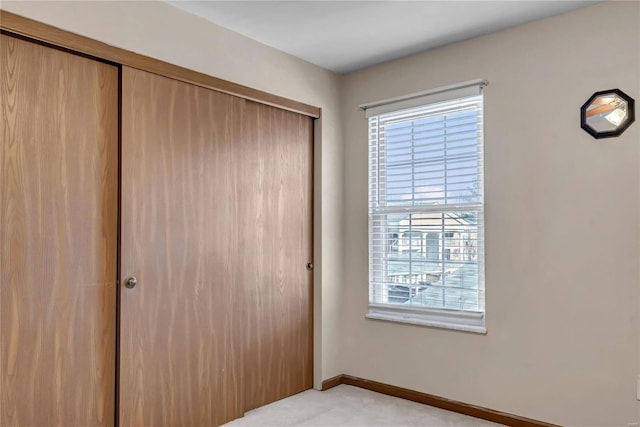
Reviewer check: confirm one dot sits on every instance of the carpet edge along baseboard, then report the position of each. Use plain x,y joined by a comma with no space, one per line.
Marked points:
435,401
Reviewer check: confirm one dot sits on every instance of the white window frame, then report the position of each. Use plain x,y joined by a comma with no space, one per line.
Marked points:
462,320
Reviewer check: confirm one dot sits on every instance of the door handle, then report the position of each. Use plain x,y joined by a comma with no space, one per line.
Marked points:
309,266
131,282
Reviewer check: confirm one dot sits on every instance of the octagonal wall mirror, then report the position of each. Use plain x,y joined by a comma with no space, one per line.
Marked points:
607,113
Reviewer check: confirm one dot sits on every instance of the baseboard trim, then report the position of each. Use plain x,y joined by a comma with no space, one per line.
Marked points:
436,401
332,382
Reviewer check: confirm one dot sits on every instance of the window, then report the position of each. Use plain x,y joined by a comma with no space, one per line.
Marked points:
426,208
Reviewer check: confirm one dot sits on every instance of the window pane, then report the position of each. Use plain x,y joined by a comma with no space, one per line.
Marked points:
429,259
432,160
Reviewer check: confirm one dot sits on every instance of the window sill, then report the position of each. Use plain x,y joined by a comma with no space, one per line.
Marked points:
458,321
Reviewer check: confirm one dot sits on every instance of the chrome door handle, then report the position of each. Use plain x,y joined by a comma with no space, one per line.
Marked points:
131,282
309,266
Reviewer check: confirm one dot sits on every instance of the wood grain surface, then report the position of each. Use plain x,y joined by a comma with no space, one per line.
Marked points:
181,327
46,33
275,226
58,230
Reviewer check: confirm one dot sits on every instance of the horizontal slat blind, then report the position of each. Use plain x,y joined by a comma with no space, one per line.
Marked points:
426,201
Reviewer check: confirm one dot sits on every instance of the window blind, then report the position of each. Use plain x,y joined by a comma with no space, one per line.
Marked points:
426,207
418,99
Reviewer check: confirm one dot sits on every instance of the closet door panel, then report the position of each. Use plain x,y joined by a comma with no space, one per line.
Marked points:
180,354
275,222
58,236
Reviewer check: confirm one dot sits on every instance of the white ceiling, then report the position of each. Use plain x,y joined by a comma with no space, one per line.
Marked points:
344,36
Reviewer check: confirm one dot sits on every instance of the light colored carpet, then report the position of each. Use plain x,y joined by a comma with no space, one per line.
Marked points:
353,407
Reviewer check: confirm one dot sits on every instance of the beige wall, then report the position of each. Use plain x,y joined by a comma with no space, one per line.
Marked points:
162,31
562,227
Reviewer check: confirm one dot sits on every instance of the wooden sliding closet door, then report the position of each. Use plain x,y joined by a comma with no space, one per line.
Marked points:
275,222
181,325
58,236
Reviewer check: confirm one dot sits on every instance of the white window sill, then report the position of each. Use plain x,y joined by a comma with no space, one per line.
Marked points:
444,319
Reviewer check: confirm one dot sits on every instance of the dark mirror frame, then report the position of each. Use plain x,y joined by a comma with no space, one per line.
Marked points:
630,109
